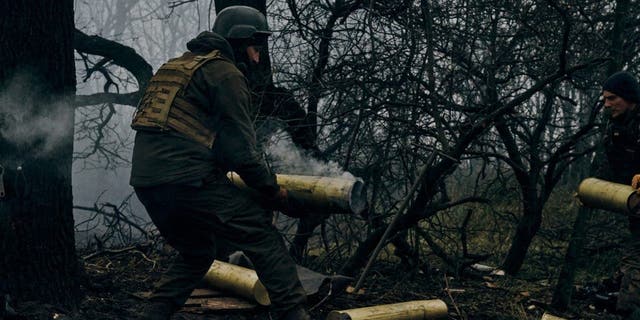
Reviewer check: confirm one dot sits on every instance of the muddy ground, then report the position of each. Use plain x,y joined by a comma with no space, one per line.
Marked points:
114,281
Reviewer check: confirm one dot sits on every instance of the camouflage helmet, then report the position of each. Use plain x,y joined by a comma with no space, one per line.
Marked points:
241,22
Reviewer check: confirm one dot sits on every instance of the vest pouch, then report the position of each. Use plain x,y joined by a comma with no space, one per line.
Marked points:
163,108
154,108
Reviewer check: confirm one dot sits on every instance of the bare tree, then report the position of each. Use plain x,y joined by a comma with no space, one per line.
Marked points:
509,87
36,138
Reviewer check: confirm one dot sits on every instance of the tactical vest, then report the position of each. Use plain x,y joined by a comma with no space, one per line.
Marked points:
163,107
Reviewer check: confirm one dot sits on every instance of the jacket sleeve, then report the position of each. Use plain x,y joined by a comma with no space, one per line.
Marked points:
602,168
235,144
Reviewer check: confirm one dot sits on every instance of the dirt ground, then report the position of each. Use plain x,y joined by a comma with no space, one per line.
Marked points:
114,281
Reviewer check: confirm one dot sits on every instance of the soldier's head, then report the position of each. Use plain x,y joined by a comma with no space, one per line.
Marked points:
621,93
246,30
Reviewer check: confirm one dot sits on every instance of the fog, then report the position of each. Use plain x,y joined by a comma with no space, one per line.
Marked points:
28,120
101,170
102,176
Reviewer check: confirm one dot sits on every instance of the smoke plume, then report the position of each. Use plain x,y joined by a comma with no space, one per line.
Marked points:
286,158
26,121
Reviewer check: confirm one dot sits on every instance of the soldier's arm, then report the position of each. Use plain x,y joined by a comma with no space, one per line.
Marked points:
236,138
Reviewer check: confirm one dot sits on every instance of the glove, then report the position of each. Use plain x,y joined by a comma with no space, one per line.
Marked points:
283,203
281,199
635,182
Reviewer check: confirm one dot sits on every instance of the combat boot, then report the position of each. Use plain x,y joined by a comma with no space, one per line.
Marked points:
297,313
157,310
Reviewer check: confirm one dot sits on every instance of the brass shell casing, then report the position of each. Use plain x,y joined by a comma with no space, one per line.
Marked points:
412,310
321,194
602,194
239,280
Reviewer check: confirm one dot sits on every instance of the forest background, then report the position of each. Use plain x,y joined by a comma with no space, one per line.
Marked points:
490,109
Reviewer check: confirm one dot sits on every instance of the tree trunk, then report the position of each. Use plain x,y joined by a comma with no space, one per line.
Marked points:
258,4
359,258
37,81
616,50
526,230
564,288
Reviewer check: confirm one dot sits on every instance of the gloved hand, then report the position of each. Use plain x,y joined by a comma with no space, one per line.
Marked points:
635,182
282,202
281,199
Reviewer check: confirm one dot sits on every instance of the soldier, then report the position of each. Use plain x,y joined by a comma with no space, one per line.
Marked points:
621,94
194,124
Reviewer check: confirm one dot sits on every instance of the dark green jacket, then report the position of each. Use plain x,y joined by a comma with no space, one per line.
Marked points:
220,89
622,149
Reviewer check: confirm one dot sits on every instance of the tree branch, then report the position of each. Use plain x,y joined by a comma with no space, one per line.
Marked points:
121,55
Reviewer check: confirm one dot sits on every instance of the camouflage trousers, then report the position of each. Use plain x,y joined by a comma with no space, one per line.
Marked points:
629,296
200,222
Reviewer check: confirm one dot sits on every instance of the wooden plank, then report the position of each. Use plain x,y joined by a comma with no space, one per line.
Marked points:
206,293
216,304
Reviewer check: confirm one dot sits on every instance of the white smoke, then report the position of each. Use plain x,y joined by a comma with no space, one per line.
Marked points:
286,158
25,119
